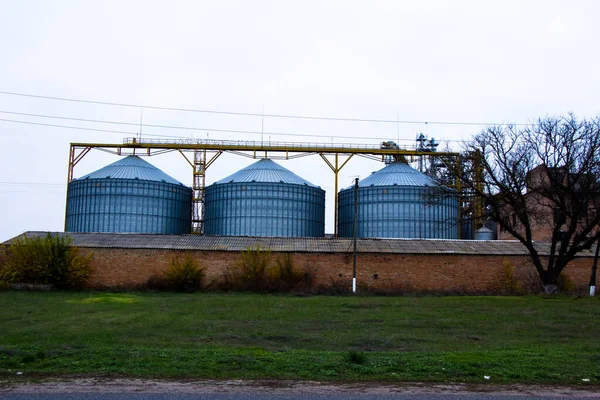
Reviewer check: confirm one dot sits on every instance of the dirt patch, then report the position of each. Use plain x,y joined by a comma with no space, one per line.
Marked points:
106,385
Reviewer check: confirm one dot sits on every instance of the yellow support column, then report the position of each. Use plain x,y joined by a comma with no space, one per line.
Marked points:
335,168
199,165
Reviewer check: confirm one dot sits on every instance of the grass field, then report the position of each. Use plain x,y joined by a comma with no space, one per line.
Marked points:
208,335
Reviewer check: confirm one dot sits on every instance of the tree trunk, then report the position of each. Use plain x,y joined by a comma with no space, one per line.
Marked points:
550,283
550,288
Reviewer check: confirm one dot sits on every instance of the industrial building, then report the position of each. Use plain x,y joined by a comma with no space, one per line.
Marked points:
136,219
265,199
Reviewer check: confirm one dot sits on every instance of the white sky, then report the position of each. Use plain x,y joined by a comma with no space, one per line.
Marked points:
465,61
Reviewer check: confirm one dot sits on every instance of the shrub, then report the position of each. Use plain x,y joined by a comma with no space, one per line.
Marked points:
254,272
186,275
250,272
285,277
508,282
156,282
49,260
356,357
565,283
335,286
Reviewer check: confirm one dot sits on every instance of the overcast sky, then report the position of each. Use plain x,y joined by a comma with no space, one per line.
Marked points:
454,61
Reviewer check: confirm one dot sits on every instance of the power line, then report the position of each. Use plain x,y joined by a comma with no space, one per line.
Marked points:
171,127
66,126
28,184
247,114
30,192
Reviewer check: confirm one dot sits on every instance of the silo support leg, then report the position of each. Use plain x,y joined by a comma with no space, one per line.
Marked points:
74,159
335,168
199,165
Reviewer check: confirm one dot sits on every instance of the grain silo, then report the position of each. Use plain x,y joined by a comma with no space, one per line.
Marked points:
264,199
128,196
399,202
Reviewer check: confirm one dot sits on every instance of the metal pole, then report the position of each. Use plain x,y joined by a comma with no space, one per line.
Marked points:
594,268
354,235
335,200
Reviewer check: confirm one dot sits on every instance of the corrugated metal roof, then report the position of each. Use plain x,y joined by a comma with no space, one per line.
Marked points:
397,174
302,245
131,167
265,171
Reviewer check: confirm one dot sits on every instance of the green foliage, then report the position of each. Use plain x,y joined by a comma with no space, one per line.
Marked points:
284,276
185,276
254,272
50,260
250,272
356,357
508,283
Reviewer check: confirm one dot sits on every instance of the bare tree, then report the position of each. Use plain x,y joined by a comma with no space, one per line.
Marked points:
543,176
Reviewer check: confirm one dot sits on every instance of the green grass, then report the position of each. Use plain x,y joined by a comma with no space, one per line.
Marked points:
208,335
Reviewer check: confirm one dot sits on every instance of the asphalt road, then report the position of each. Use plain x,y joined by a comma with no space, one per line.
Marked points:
268,396
147,389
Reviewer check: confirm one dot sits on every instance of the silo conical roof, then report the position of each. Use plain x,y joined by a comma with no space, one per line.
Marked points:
397,174
265,171
132,167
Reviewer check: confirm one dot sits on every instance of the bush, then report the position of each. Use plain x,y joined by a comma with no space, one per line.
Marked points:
565,283
184,276
250,272
254,272
285,277
157,282
356,357
49,260
335,286
531,282
508,282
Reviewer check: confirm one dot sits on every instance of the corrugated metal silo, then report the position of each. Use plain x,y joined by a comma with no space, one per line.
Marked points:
398,202
484,233
264,199
128,196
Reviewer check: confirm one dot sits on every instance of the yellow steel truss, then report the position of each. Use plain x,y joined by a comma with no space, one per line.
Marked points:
200,162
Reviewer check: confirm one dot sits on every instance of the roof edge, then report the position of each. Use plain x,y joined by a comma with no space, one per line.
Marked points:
190,242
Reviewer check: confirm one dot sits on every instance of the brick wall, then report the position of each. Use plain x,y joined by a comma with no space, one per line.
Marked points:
130,268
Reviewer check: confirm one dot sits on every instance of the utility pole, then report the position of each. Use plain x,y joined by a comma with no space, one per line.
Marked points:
354,233
594,268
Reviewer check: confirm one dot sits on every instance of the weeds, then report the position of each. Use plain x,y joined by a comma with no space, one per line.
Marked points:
255,272
49,260
249,273
356,357
186,275
508,282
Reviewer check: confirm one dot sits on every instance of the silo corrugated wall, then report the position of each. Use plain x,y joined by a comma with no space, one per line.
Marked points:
397,212
110,200
399,202
264,199
128,206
